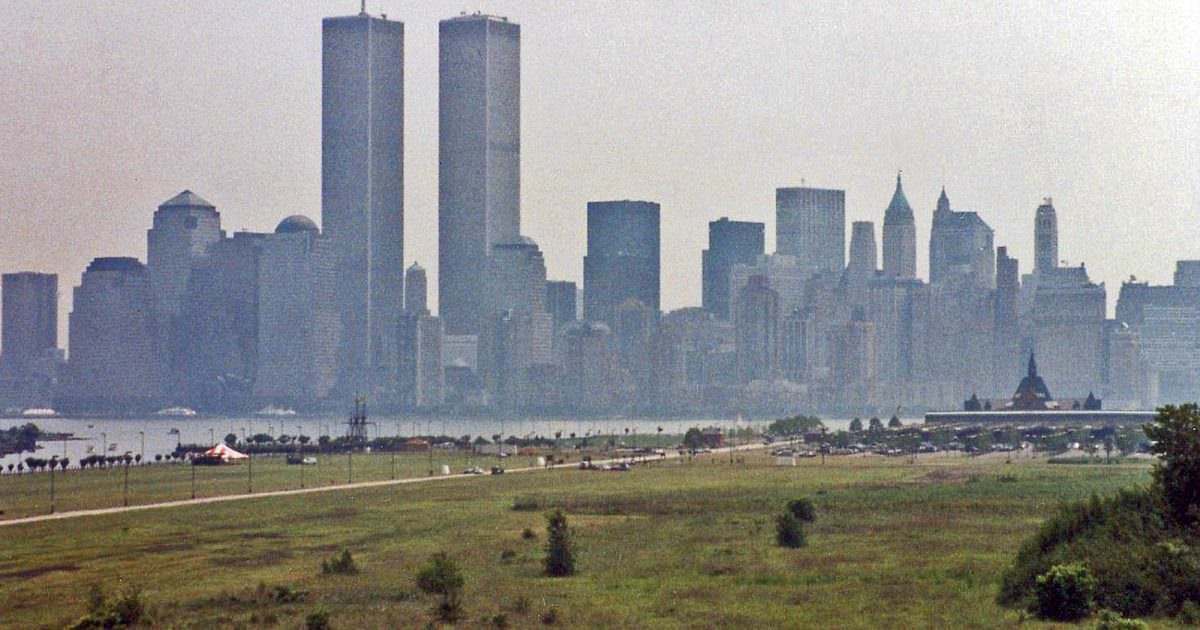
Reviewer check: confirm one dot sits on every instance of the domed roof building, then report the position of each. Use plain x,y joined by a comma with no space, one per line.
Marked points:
296,223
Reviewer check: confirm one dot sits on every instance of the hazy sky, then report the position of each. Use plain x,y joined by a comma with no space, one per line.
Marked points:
109,108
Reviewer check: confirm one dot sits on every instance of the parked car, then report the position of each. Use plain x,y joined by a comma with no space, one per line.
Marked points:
473,470
496,470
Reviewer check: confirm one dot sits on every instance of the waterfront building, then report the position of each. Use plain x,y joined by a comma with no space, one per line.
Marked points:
184,227
422,373
1006,326
863,264
515,278
362,192
29,354
116,363
729,243
479,158
1187,273
588,368
562,302
298,324
1069,329
622,260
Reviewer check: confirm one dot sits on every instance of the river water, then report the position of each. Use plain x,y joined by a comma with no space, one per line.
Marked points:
153,435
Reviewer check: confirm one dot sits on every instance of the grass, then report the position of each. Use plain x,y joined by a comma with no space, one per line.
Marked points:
672,545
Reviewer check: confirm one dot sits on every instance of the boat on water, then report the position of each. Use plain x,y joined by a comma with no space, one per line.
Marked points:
272,410
39,412
176,412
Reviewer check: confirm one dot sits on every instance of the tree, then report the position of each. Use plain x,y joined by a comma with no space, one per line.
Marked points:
856,425
875,425
894,423
693,438
1064,593
304,439
794,425
63,463
1175,438
442,577
560,551
803,509
230,439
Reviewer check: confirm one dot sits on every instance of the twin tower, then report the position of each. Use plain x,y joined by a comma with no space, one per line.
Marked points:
362,174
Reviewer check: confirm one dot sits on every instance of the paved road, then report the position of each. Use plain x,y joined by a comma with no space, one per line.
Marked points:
285,493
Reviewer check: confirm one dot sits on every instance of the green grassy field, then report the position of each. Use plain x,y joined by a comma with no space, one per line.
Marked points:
896,545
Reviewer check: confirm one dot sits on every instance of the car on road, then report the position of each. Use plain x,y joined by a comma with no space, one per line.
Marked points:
473,470
496,470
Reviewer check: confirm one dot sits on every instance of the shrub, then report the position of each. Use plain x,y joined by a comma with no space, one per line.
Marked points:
500,620
788,532
127,609
528,534
317,620
803,509
560,552
1064,593
339,565
522,605
442,577
550,617
526,503
507,555
1110,620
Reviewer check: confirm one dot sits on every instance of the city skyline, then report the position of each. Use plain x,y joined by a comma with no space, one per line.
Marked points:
1105,185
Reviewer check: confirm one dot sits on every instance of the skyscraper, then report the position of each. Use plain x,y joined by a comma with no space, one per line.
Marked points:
756,323
622,258
561,302
416,290
479,158
515,278
864,262
115,362
298,324
899,237
729,243
184,227
1045,237
362,189
960,246
30,319
810,224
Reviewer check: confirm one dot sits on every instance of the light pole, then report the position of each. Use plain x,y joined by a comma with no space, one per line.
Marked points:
193,480
300,449
53,464
429,430
211,437
141,434
126,491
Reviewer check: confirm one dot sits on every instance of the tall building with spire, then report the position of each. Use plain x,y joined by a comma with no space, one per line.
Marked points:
362,190
1045,237
479,159
960,247
899,237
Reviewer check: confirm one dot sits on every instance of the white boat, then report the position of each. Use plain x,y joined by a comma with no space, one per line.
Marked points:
184,412
39,413
272,410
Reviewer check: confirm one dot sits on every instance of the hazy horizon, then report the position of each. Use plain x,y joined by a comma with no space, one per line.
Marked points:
111,110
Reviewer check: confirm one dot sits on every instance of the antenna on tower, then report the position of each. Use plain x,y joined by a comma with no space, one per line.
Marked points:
363,8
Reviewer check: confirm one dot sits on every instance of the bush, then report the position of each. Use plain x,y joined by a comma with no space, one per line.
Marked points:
507,555
500,620
528,534
442,577
560,552
1064,593
1110,620
788,532
127,609
550,617
317,620
526,504
522,605
339,565
803,509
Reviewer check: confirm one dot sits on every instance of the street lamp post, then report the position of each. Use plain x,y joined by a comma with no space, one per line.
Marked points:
141,434
193,480
300,449
211,437
53,463
429,430
126,491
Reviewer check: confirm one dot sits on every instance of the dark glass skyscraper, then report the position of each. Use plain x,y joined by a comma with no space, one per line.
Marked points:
30,318
729,243
479,158
622,260
362,189
810,224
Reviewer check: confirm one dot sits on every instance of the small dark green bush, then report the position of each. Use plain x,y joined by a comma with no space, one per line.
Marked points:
127,609
526,503
441,576
550,617
788,531
1064,593
522,605
803,509
500,620
528,534
317,620
507,555
339,565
